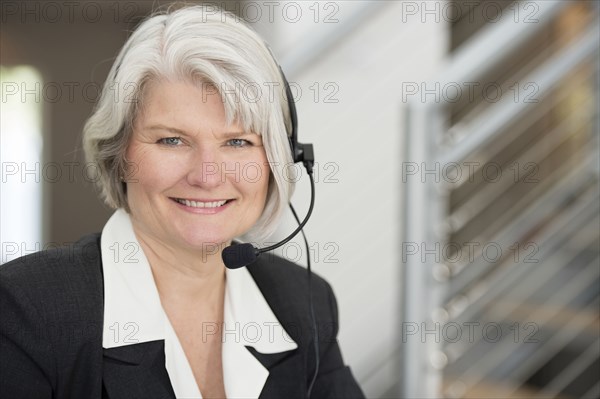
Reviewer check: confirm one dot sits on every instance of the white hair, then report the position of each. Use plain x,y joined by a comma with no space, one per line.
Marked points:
203,45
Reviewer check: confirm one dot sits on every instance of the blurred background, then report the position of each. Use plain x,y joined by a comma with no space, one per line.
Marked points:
457,147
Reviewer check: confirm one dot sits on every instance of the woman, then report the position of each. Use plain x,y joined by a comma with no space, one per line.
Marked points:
187,147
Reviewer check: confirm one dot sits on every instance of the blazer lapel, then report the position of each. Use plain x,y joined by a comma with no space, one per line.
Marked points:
136,371
249,322
288,374
271,360
286,371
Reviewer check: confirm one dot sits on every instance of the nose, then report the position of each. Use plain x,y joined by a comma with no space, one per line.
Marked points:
204,169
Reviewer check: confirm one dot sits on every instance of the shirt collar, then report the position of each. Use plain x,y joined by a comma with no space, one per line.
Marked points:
133,314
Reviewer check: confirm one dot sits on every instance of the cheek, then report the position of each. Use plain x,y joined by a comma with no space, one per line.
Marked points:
263,184
148,170
266,180
261,171
136,160
254,182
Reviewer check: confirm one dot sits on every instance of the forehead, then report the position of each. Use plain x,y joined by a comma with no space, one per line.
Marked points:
184,104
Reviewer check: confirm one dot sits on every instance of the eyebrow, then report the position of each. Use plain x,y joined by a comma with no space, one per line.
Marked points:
180,132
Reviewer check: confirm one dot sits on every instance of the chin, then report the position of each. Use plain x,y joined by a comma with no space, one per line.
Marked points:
206,242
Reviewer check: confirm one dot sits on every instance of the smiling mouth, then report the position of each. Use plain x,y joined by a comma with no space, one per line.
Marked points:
201,204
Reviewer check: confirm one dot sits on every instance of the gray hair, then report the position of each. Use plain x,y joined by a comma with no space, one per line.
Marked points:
204,45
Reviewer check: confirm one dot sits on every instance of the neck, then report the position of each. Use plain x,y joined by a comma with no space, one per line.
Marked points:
184,278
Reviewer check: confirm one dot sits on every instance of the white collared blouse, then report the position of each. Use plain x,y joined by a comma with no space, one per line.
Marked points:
133,314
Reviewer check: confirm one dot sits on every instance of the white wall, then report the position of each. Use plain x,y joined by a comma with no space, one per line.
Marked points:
362,135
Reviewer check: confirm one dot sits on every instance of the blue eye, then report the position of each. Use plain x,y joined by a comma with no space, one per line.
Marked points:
170,141
238,143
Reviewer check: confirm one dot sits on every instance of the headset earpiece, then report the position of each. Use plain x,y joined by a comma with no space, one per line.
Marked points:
300,152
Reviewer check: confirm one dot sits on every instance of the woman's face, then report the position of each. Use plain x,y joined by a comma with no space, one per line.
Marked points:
193,180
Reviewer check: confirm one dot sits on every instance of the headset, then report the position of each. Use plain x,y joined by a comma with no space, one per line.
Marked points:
240,255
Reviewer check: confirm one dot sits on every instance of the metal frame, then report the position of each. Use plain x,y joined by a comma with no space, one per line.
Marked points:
425,203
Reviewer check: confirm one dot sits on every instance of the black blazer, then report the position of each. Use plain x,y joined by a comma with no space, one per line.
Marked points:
51,319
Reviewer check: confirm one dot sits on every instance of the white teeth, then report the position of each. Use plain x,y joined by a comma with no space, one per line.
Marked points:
198,204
